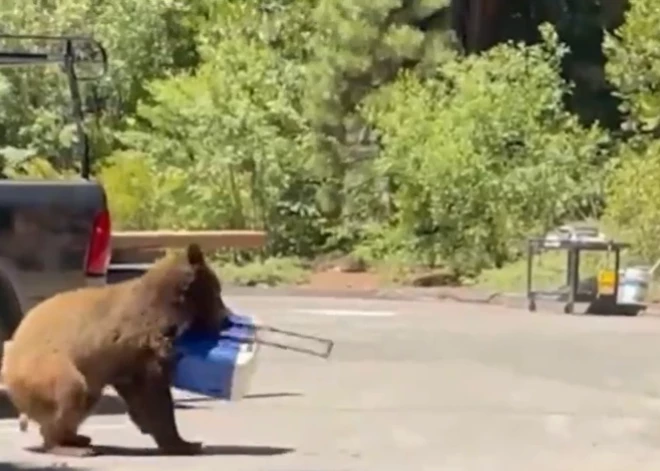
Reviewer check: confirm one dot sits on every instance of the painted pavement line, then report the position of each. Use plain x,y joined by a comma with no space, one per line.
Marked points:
346,312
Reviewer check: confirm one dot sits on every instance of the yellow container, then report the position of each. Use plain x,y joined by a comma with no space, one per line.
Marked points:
606,282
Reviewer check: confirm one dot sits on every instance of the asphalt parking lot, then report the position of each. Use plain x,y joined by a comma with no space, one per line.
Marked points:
412,385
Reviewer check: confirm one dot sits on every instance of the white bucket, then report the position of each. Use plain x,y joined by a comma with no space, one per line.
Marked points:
246,365
634,285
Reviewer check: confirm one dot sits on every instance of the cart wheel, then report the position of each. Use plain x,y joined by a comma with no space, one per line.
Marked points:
568,309
531,306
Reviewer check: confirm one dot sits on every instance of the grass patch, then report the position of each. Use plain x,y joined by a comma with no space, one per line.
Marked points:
549,272
269,272
393,271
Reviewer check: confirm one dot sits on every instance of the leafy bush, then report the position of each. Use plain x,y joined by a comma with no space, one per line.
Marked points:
36,114
335,125
633,194
139,194
233,129
632,186
27,166
634,64
271,272
487,154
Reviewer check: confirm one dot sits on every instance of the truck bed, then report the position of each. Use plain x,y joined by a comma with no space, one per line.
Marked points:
45,229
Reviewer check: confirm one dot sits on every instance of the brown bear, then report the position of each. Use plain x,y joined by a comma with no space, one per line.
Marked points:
72,345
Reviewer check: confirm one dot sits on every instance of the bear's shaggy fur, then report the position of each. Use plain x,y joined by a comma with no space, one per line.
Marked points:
70,346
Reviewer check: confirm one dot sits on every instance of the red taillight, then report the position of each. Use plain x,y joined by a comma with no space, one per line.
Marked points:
98,251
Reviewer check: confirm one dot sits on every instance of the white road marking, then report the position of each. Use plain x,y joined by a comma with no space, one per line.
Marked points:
346,312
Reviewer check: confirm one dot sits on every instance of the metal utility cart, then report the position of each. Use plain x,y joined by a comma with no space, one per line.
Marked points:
575,240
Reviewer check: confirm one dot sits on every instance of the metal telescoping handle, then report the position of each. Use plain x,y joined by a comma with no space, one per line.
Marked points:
329,344
326,354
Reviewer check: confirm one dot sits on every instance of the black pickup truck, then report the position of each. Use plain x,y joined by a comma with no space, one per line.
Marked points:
54,235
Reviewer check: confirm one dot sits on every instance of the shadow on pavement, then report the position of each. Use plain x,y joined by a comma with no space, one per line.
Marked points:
113,405
5,466
108,405
209,450
184,402
272,395
179,404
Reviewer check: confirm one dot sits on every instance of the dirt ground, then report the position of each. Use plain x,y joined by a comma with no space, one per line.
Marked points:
336,280
365,283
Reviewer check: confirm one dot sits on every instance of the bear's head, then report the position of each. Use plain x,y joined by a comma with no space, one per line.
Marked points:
186,287
202,297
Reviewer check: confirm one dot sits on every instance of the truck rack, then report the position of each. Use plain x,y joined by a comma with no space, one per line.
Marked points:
68,52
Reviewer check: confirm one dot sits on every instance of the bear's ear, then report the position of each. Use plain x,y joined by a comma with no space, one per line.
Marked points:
195,255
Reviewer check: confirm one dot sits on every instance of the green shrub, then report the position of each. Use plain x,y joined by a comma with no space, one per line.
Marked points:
633,65
129,185
140,195
633,201
270,272
633,188
483,154
233,131
36,168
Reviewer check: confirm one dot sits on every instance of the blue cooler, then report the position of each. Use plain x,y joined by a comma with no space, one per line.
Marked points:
217,365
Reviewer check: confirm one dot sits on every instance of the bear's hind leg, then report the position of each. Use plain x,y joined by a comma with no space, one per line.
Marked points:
73,403
74,439
64,443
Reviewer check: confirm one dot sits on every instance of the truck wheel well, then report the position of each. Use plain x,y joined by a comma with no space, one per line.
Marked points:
11,311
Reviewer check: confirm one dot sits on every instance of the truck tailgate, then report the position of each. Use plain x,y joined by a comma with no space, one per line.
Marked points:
45,230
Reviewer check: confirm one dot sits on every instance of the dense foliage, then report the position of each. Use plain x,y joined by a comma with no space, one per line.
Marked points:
339,125
632,187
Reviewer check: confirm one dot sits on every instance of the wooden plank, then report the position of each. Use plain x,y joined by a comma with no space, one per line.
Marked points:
208,240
